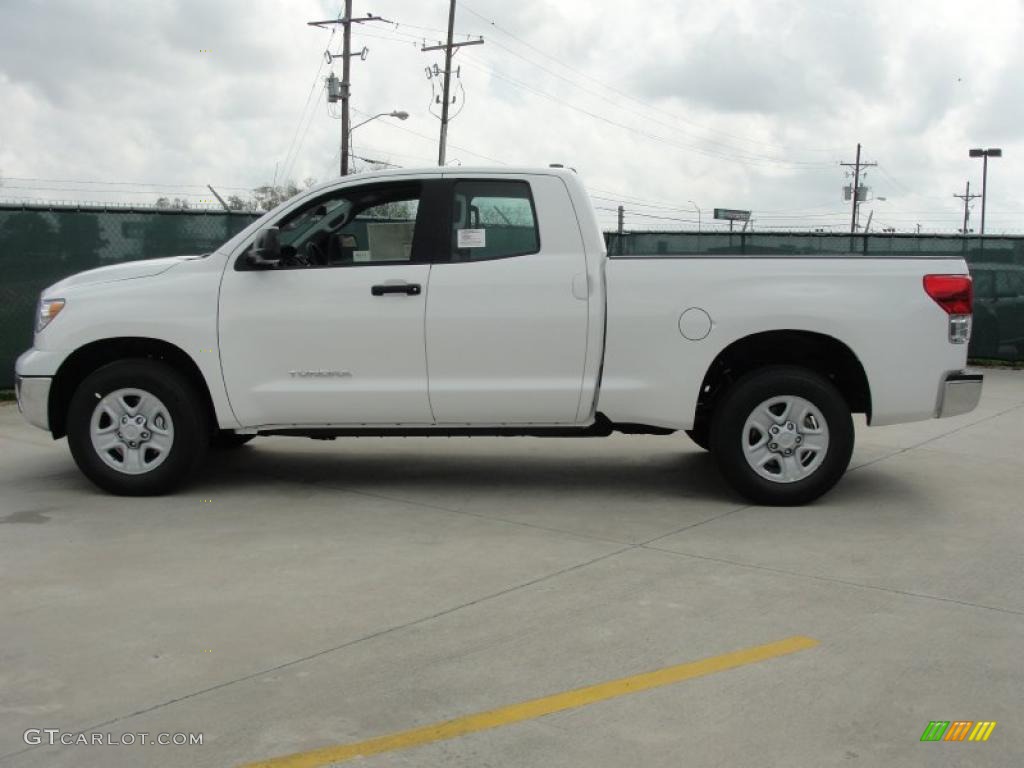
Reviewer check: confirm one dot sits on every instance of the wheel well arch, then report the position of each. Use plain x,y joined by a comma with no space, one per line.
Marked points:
818,352
96,354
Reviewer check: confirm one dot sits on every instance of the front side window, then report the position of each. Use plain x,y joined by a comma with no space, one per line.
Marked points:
373,224
493,220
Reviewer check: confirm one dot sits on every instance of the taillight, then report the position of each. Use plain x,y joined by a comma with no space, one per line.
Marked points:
955,294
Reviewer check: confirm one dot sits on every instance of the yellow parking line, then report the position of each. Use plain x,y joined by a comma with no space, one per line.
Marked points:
528,710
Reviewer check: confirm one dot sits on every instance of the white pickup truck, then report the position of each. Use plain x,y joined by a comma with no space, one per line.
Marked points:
484,302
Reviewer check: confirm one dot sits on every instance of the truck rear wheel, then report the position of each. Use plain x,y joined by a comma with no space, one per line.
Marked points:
136,428
782,436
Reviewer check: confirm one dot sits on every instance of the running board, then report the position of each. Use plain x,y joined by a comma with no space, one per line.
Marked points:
601,427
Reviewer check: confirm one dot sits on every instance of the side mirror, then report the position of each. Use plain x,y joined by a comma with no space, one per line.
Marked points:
266,251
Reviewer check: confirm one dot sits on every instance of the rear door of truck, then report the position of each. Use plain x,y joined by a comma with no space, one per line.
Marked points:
507,305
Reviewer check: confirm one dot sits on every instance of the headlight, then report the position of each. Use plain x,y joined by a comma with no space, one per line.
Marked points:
48,309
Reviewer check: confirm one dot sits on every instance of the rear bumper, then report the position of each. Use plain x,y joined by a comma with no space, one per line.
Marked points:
33,393
959,394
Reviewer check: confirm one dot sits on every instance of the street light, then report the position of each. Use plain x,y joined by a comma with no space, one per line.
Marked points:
697,207
985,154
401,114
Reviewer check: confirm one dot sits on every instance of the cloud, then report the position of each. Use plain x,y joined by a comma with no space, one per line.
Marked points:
748,103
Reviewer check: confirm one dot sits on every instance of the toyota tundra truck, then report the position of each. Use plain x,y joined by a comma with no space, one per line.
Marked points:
485,302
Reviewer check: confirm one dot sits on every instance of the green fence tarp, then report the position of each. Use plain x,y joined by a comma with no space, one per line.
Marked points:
41,245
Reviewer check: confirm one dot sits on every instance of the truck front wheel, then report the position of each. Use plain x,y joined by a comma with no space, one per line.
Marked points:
136,428
782,435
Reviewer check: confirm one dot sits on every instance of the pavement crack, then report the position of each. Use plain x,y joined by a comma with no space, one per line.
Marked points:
711,519
341,646
833,580
937,437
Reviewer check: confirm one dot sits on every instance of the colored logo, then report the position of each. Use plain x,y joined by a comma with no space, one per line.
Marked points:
958,730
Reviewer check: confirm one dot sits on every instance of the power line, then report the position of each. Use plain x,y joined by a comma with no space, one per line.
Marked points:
673,127
744,160
309,96
112,183
287,170
623,94
730,152
431,139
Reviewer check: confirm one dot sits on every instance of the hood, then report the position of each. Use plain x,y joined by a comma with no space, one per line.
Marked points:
129,270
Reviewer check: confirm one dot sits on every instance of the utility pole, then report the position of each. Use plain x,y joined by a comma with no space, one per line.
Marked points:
967,197
857,165
449,50
346,81
343,90
622,213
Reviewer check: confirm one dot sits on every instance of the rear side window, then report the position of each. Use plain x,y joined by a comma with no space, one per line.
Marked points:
493,220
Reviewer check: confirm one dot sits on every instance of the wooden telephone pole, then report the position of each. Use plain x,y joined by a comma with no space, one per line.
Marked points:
346,64
857,165
967,197
449,50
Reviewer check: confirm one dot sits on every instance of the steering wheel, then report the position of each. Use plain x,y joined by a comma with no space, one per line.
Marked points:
292,257
315,254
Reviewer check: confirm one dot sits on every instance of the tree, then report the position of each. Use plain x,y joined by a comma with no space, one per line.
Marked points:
268,196
178,203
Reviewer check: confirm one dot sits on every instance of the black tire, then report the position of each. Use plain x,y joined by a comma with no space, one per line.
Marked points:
701,435
182,403
226,440
730,417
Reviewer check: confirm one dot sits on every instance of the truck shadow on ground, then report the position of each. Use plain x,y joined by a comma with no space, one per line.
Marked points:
673,473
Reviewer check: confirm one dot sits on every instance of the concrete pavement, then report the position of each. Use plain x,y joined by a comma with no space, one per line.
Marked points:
303,594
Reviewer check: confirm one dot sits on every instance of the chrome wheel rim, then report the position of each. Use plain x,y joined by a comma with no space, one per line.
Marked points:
785,439
131,431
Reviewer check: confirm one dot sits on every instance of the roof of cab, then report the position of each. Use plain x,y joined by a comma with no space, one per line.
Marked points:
450,170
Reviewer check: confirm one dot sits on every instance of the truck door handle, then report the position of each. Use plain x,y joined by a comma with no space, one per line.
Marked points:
410,289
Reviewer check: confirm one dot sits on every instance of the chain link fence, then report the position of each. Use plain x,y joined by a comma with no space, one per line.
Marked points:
39,245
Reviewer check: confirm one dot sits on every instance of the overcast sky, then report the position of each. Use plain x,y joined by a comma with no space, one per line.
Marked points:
743,104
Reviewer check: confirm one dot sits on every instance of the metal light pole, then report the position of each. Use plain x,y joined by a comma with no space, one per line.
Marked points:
401,114
697,207
985,154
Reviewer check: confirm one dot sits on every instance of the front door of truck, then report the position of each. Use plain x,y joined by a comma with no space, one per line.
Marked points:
507,308
334,334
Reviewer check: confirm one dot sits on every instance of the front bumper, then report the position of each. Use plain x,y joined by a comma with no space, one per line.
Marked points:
33,393
959,394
